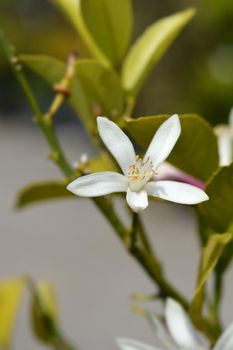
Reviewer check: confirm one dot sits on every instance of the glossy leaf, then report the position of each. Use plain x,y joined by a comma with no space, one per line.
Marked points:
44,311
211,255
71,9
10,298
103,87
52,71
150,47
97,22
218,212
42,191
110,24
196,149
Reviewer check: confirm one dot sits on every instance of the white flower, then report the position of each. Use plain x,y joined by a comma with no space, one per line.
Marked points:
179,333
224,135
137,172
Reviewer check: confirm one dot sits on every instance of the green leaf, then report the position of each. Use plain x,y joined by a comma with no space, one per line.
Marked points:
103,87
196,150
217,213
110,24
44,311
52,71
93,87
150,47
42,191
104,25
211,255
71,9
10,298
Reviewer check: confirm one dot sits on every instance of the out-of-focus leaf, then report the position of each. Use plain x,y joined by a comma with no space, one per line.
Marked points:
150,47
196,150
218,212
71,9
104,25
211,255
44,311
52,71
110,24
103,87
10,298
42,191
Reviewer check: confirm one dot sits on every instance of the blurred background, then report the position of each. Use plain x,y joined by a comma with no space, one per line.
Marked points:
92,274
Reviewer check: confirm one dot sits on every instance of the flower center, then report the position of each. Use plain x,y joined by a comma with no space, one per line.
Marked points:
140,173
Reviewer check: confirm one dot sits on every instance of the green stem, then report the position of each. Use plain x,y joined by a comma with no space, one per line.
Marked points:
144,238
57,154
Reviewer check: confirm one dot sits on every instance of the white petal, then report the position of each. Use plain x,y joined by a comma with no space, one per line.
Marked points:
225,148
98,184
225,342
130,344
117,142
164,140
180,326
161,332
177,192
137,201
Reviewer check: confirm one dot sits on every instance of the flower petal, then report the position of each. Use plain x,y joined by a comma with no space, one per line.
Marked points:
98,184
180,326
225,342
163,141
225,148
131,344
177,192
137,201
117,142
161,332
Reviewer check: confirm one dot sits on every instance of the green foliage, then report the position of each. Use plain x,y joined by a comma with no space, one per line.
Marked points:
97,22
10,298
103,87
110,24
210,256
218,211
39,192
42,191
44,311
52,71
95,89
196,149
150,47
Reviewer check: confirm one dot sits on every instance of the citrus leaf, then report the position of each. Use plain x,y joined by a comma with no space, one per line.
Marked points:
71,9
218,212
110,24
42,191
150,47
44,311
97,22
10,298
211,255
103,87
196,149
